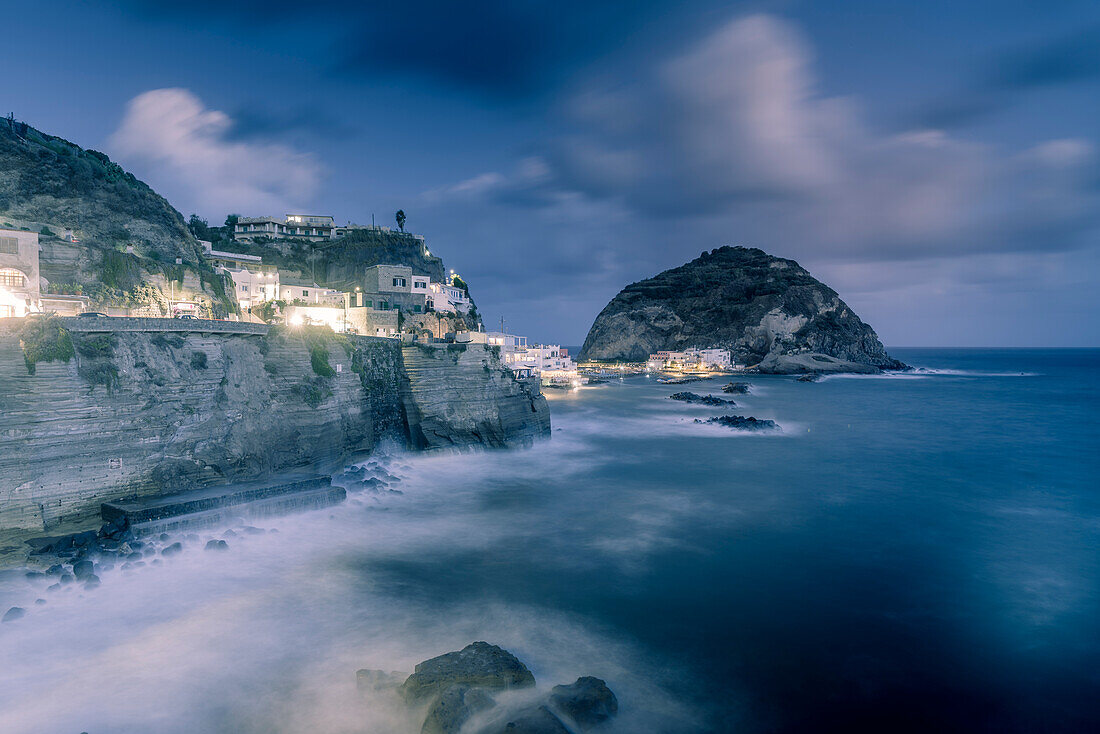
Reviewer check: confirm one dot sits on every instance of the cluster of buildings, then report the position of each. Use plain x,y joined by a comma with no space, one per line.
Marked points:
388,295
549,362
373,308
691,360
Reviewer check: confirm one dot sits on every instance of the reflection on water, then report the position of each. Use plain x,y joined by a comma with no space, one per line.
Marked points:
907,554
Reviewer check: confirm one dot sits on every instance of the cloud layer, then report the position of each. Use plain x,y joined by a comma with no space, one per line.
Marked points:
195,156
734,130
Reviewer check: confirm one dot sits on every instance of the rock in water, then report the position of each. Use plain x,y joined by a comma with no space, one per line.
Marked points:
736,388
742,423
769,312
479,664
454,708
588,701
13,614
690,397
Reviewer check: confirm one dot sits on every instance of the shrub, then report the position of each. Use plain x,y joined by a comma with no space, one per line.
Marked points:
99,373
318,358
198,360
164,340
95,347
311,392
47,232
44,340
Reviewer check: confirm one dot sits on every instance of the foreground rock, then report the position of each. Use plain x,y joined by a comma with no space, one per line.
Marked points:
478,665
690,397
768,311
736,388
742,423
459,689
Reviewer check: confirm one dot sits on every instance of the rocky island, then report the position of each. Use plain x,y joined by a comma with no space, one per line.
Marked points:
768,311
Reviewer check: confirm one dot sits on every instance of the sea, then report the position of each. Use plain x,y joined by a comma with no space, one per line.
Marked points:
907,552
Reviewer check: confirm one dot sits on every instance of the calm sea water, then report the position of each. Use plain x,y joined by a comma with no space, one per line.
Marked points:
914,552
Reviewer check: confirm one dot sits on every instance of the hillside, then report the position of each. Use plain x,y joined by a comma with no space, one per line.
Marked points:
768,311
129,236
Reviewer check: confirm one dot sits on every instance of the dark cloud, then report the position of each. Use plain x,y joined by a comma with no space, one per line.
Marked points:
1065,60
499,48
253,121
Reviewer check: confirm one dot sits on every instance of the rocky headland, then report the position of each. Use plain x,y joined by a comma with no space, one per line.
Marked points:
769,312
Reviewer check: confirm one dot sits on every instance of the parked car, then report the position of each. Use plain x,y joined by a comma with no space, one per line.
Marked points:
93,315
185,316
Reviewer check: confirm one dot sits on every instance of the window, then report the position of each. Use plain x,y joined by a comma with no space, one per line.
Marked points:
419,284
305,294
384,305
244,289
368,304
399,283
9,246
416,309
12,277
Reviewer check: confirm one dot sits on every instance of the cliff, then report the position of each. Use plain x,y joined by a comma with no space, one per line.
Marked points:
768,311
95,416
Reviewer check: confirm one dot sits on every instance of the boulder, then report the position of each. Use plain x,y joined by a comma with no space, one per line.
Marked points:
83,569
217,545
476,665
172,549
737,388
454,707
13,614
587,702
690,397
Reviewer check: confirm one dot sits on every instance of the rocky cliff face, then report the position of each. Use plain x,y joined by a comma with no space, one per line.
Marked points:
139,413
769,312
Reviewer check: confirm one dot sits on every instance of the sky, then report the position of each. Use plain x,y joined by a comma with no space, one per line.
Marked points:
936,163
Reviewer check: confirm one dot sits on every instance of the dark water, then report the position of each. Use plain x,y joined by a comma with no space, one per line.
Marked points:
911,553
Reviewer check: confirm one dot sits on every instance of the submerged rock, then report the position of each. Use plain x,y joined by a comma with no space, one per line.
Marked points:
737,388
367,679
743,423
690,397
535,720
587,702
13,614
809,377
173,549
478,664
217,545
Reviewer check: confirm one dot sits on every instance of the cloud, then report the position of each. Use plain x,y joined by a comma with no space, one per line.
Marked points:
193,156
1008,75
732,137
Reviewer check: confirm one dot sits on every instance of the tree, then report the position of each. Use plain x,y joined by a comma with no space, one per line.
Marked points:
231,221
401,219
199,227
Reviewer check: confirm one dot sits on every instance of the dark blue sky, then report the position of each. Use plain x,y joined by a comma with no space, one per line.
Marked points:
934,162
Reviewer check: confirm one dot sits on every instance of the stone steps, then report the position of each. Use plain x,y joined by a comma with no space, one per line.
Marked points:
217,505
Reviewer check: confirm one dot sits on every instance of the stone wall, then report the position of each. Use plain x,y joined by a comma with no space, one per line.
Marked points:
137,413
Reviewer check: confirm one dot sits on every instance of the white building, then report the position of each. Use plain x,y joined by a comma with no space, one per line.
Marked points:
308,292
20,287
313,227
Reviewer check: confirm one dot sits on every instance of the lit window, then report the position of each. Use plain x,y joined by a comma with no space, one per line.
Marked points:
12,277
